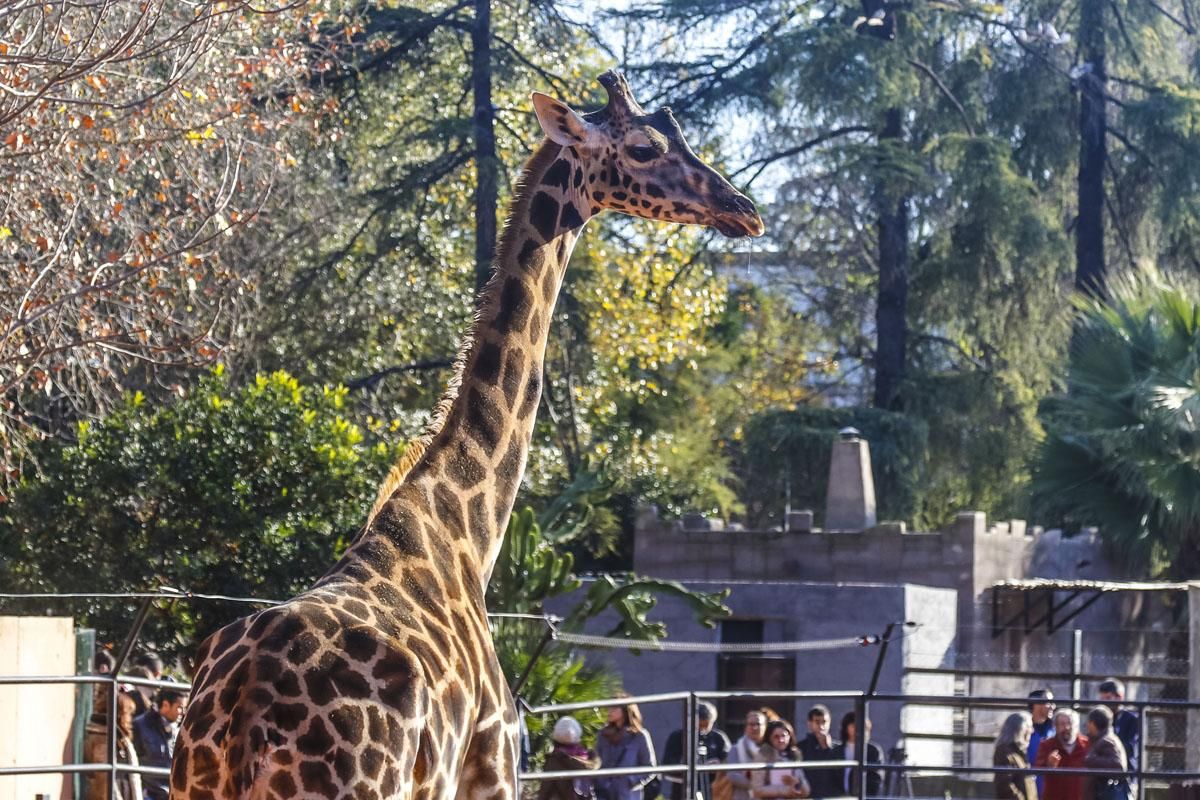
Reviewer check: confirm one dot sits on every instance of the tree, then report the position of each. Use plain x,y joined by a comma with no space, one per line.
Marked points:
918,215
246,492
1122,449
139,141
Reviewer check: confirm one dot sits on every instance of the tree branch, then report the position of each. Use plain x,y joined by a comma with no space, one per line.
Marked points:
933,76
371,381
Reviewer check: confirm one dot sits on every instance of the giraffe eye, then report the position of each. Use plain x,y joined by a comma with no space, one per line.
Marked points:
642,152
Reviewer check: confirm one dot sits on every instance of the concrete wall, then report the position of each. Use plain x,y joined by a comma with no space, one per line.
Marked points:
807,612
970,557
35,721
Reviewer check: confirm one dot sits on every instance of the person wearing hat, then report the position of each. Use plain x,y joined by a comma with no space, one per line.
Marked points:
568,753
712,747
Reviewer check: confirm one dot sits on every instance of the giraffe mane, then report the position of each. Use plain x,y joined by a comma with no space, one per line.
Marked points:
537,163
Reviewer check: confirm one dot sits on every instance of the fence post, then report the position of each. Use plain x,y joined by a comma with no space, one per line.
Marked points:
1140,772
862,741
690,737
111,722
1076,662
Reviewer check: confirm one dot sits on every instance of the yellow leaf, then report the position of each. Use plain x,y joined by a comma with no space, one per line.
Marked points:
5,232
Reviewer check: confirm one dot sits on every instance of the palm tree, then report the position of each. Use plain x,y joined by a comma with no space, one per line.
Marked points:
1122,449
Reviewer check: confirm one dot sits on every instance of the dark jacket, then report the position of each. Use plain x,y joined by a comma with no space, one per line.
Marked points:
824,782
1107,752
560,760
1013,785
712,746
850,780
152,736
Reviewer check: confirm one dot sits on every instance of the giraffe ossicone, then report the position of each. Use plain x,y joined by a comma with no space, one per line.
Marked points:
381,680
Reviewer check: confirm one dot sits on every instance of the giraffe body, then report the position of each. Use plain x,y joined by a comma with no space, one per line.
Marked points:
381,681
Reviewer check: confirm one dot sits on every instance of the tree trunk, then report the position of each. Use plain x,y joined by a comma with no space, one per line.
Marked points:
484,123
891,305
1089,229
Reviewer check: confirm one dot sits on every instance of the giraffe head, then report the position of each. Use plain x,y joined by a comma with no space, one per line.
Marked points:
639,163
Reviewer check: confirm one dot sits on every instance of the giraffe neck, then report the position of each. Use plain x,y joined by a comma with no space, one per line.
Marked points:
468,476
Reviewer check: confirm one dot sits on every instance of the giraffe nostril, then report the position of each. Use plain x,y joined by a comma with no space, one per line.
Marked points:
738,204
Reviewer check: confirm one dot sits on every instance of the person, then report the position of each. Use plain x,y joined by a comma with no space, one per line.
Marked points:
1126,724
712,747
154,738
1041,710
568,753
818,745
779,746
623,742
848,751
1106,752
745,751
95,751
1011,746
103,662
141,695
151,661
1066,749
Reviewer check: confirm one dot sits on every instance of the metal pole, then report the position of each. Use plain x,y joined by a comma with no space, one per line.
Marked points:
111,722
861,736
860,741
1076,662
1140,771
883,648
690,737
537,652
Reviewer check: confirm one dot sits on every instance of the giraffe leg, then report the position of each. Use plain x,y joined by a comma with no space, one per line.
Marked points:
490,766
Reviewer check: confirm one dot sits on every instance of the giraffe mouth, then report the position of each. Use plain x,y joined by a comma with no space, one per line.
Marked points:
738,225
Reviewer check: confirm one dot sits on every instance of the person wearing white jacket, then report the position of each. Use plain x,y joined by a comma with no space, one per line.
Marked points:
745,751
786,780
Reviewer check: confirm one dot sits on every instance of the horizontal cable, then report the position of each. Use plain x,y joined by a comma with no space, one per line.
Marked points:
179,594
707,647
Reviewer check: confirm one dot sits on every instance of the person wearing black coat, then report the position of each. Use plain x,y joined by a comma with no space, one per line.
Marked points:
819,745
848,751
154,738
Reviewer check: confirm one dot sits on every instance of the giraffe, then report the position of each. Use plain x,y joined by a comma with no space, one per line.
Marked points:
381,680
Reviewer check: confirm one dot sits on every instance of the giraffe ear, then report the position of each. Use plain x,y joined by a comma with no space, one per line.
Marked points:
562,124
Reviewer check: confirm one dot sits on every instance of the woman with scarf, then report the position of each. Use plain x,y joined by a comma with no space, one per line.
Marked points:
779,746
623,742
745,751
568,753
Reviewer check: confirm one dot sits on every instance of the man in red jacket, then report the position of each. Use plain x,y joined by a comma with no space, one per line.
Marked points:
1065,749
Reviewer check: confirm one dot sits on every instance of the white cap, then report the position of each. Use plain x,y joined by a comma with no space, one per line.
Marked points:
567,731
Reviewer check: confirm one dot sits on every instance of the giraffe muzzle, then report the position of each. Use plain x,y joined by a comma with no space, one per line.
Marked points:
739,218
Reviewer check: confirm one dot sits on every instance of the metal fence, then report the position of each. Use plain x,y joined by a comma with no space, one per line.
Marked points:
1141,778
113,682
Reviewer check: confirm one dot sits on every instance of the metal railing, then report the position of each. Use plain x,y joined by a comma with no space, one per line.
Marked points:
1137,774
113,681
690,770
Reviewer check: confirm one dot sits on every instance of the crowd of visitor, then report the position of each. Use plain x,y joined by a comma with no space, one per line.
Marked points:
147,722
1049,738
767,738
1042,737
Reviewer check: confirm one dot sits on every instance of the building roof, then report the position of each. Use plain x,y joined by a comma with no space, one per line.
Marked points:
1059,584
